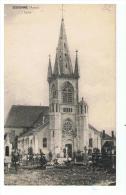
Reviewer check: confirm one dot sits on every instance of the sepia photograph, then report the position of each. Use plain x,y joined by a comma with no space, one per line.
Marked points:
60,94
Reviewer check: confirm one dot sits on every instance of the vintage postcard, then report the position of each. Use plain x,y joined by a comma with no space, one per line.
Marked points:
60,94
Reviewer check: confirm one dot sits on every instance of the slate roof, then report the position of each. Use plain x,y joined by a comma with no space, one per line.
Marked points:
106,136
93,128
21,116
31,131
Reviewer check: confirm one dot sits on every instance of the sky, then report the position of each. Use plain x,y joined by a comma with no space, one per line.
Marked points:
31,34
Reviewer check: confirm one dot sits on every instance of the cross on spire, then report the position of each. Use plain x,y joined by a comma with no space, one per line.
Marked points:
62,9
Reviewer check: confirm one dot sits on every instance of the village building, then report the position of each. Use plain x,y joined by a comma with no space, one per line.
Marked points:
108,143
10,143
62,127
7,148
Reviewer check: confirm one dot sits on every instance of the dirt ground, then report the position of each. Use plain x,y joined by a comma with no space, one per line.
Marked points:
77,175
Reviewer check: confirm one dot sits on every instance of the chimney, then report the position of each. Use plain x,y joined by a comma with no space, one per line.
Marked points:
112,134
103,134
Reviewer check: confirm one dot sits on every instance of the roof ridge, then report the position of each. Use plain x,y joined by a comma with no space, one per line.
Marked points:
22,105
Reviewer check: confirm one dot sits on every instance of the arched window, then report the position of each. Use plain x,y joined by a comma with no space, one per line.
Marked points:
90,142
52,107
68,93
7,151
54,92
44,142
68,127
56,107
85,108
81,109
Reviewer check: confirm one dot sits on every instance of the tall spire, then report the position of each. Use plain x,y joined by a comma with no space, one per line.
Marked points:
63,60
49,70
56,67
76,69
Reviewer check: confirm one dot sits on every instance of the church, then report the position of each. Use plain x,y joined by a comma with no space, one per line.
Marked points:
62,127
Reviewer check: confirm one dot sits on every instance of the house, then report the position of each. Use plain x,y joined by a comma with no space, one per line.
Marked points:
108,143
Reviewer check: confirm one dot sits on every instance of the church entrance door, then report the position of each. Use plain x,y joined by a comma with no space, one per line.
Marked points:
69,150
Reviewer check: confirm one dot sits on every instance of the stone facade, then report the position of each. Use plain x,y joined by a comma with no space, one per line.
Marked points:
68,117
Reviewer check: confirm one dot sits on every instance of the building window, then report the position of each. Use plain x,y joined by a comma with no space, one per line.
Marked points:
56,107
91,142
85,109
52,107
54,92
7,151
68,93
81,109
67,109
68,127
53,133
30,150
44,142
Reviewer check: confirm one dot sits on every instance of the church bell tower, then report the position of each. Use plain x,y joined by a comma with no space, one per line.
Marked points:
63,99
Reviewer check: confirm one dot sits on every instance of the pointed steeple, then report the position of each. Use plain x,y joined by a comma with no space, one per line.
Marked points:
63,61
56,71
76,69
49,70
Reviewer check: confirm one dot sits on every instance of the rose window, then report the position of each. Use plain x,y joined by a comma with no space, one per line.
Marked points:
68,127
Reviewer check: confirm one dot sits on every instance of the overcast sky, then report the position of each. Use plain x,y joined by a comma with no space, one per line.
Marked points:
32,34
